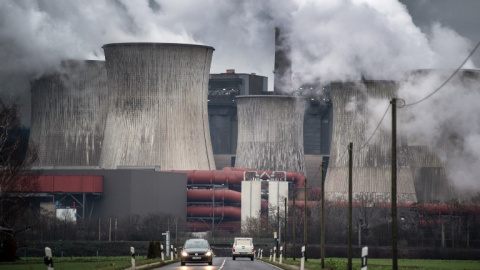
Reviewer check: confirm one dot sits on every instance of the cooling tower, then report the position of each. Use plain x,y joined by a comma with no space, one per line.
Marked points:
429,175
371,162
158,106
68,114
431,164
270,133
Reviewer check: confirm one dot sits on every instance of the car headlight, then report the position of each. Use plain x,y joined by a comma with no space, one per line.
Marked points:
184,254
209,253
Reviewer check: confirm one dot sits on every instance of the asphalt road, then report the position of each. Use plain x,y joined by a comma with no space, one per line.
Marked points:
223,263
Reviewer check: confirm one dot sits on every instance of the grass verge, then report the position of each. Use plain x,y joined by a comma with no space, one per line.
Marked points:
384,264
84,263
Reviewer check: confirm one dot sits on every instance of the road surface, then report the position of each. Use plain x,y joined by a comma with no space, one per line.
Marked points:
223,263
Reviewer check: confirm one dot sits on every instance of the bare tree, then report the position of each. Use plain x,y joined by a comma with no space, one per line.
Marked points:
16,178
257,227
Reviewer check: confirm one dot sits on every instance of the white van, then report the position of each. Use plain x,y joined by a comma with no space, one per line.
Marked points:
243,247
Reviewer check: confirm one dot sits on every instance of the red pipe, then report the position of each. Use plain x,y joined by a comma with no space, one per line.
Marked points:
427,208
208,210
232,175
226,176
206,195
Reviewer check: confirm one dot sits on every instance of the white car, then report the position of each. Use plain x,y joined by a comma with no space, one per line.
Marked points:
243,247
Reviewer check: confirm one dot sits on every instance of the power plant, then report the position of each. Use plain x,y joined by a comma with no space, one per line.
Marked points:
270,133
429,169
157,113
68,114
372,160
149,135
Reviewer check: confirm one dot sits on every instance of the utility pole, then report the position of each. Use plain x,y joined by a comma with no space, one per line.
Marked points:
110,231
394,185
213,209
278,229
350,169
322,233
99,232
294,208
305,236
285,231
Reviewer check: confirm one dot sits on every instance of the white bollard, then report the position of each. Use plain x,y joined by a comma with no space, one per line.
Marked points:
48,258
261,253
302,261
270,254
132,253
176,254
280,253
364,258
274,253
161,252
171,252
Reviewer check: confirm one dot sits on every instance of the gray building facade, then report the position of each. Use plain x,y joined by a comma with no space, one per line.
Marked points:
127,192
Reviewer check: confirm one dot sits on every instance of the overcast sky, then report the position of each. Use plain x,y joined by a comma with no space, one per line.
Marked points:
329,41
462,16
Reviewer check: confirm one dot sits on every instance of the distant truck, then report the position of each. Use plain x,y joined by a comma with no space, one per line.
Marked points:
243,247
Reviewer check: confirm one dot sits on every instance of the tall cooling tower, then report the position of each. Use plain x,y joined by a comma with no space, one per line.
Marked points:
429,175
68,114
371,173
270,133
158,106
431,164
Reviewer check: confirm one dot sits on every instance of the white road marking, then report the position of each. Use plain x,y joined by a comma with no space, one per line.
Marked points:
221,266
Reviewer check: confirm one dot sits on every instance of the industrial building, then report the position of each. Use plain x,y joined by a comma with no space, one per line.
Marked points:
156,127
223,119
95,193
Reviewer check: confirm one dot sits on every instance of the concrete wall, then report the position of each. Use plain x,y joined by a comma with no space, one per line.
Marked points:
277,192
251,199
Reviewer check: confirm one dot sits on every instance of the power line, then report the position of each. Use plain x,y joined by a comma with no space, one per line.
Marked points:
449,78
363,146
371,136
404,105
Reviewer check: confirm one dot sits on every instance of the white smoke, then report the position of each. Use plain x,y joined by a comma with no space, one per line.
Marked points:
448,122
36,35
329,40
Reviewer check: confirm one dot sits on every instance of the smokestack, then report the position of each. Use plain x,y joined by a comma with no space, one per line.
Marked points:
158,106
372,163
68,114
283,66
270,133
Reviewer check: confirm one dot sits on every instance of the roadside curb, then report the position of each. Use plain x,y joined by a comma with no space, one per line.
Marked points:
155,264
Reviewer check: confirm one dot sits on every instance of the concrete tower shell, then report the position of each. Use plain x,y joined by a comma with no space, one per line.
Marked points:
372,162
158,106
68,114
430,164
270,133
